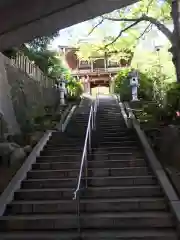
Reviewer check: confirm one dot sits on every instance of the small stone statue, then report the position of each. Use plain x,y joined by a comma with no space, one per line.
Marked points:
134,83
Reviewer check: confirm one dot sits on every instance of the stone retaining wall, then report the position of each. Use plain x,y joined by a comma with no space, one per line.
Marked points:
22,97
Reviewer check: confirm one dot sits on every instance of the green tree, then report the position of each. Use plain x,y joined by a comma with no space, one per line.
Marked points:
48,61
41,43
139,19
158,62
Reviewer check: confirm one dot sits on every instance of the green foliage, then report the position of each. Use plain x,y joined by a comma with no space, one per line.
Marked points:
75,88
122,49
107,39
173,96
172,101
48,61
10,53
159,67
122,86
156,63
159,9
41,43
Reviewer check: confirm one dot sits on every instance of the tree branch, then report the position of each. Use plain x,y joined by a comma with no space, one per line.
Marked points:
161,27
121,32
145,31
148,6
99,23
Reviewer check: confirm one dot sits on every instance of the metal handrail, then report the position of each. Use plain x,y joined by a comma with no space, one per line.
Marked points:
84,159
87,147
90,126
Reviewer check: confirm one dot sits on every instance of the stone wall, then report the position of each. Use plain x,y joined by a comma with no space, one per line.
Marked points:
22,97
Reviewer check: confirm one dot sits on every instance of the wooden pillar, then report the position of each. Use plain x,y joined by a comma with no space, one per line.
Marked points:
92,69
105,64
88,84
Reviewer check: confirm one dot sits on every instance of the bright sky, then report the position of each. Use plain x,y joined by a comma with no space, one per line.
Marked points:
73,34
70,36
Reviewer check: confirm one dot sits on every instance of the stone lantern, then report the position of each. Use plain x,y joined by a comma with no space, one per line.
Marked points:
62,90
134,83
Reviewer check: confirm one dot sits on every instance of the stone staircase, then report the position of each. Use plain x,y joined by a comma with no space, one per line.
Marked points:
123,200
130,203
44,201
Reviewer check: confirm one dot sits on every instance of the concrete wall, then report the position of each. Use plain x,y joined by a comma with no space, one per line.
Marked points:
21,21
6,106
21,97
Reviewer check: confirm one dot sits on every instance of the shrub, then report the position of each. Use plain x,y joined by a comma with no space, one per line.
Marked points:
172,101
122,86
75,88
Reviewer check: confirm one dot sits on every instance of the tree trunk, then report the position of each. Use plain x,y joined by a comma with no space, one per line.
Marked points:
175,49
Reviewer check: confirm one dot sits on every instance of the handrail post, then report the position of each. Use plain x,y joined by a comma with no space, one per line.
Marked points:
86,170
92,119
78,213
89,141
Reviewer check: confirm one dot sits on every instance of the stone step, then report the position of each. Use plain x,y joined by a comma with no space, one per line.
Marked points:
126,191
117,147
56,165
93,172
71,148
58,152
91,164
124,171
113,220
114,134
64,135
65,173
141,234
108,123
113,116
92,192
113,122
63,157
65,138
54,142
110,128
92,181
104,115
119,139
102,150
89,205
118,143
116,156
65,144
80,120
101,113
118,150
116,123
